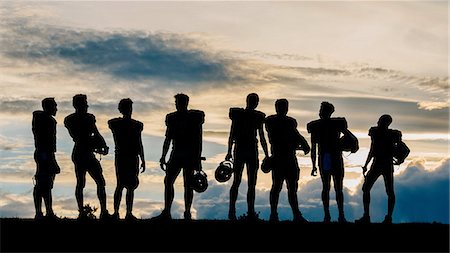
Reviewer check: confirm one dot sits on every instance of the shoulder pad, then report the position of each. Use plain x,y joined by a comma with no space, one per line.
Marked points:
292,121
235,112
340,121
39,112
111,122
197,116
372,130
140,125
91,116
260,115
170,117
311,126
397,135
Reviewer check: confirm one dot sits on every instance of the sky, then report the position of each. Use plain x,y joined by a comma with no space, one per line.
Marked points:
367,58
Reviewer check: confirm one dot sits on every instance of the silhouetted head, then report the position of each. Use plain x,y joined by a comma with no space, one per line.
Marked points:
281,106
181,102
326,109
80,103
126,107
252,101
384,121
49,106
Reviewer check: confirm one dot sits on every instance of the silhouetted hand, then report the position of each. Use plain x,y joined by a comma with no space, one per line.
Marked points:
228,157
306,150
314,171
143,166
162,162
364,168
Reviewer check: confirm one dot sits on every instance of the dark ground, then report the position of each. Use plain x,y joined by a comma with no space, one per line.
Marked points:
219,235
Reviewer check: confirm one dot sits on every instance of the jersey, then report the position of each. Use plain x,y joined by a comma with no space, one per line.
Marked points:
383,142
244,126
184,128
44,131
81,128
283,134
326,133
127,135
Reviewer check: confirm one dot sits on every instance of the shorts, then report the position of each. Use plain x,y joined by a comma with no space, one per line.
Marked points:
245,155
44,182
86,162
285,168
174,168
127,171
331,164
46,163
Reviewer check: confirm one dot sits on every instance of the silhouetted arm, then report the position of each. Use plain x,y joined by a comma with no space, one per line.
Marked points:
141,153
304,144
95,131
263,141
369,157
165,149
313,159
230,145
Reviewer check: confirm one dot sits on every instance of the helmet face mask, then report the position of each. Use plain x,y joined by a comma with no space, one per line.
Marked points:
224,171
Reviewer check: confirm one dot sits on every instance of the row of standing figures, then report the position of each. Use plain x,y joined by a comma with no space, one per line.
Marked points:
329,138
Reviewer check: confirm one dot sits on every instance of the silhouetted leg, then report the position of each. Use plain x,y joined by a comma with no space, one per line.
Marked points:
96,174
277,185
338,185
129,200
47,196
81,183
252,173
389,184
292,187
117,198
171,175
188,192
369,181
237,177
326,180
37,196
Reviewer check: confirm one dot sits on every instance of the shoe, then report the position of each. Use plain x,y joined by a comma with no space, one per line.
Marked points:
232,215
363,220
105,215
387,220
274,217
252,216
52,217
131,217
163,216
115,216
187,215
300,219
39,216
327,219
342,219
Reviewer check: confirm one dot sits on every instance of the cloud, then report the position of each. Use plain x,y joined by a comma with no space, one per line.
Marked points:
9,144
130,55
429,105
422,196
16,205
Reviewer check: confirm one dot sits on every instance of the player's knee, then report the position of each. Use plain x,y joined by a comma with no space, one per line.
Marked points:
169,180
276,188
81,184
390,193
